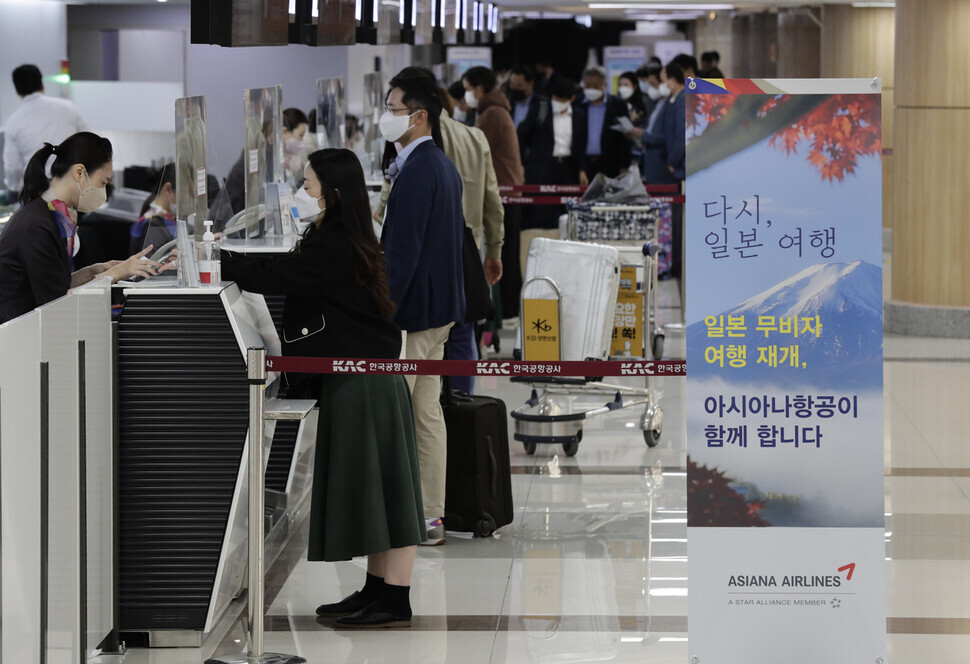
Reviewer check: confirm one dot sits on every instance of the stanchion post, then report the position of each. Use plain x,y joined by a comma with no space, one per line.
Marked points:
256,375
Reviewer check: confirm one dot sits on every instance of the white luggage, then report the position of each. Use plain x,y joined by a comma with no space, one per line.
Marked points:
588,277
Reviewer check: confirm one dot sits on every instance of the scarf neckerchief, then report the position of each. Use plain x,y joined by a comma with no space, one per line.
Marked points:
67,227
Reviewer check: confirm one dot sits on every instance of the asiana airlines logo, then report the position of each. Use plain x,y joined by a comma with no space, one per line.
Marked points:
792,581
788,585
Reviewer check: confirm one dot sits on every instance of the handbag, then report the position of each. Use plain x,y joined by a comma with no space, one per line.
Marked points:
478,295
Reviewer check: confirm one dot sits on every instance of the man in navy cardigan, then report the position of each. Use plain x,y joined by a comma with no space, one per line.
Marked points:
422,237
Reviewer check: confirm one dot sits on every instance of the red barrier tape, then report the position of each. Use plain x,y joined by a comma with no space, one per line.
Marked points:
562,200
576,189
326,365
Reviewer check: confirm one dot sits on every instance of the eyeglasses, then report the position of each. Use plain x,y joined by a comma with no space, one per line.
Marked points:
396,111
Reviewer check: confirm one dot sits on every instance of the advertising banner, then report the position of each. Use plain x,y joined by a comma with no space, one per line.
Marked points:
466,57
618,59
784,393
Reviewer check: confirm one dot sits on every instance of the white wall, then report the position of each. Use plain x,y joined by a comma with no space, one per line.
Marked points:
152,55
31,32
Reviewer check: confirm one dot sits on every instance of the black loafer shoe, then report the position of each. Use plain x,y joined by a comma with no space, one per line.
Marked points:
372,617
345,607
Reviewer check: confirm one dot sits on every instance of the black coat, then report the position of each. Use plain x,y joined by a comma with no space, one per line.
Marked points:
34,266
537,140
327,313
615,146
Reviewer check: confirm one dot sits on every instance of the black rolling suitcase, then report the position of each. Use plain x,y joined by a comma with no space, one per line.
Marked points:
478,493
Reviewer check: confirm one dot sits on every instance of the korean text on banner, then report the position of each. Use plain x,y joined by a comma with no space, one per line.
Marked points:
784,396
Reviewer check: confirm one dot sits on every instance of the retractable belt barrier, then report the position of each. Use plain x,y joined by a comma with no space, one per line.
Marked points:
576,189
326,365
562,200
513,194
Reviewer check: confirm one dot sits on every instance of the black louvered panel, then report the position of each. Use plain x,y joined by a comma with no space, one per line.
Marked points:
184,405
275,305
281,455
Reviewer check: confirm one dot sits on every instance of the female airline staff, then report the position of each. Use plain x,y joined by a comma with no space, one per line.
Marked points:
37,247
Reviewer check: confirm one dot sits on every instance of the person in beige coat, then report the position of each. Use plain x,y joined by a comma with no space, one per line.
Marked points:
495,119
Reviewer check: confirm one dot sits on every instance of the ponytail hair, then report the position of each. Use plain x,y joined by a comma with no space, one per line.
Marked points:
85,148
164,175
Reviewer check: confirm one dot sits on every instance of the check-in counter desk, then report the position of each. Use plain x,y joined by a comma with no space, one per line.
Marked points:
182,431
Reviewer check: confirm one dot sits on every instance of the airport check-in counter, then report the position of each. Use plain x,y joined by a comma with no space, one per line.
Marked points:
182,448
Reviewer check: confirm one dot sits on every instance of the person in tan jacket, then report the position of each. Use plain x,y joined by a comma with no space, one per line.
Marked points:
481,203
495,119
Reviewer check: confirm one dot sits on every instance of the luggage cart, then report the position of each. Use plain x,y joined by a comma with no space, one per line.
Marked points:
541,420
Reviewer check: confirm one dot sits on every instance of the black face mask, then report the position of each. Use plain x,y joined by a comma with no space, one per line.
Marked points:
517,95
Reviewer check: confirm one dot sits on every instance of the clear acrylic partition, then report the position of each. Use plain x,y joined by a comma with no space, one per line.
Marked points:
337,24
263,159
373,142
331,113
190,179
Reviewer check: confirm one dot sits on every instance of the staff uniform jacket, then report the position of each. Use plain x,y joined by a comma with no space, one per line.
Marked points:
328,312
614,145
537,140
34,266
468,150
422,238
495,119
668,136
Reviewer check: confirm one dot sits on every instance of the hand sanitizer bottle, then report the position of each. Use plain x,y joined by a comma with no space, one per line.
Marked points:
210,270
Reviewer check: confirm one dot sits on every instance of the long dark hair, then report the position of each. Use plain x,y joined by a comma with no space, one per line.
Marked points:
164,175
636,101
89,150
348,207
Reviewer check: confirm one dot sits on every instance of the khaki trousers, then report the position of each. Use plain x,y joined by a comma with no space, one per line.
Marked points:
429,421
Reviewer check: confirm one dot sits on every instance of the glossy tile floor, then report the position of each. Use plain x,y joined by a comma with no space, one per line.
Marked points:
594,566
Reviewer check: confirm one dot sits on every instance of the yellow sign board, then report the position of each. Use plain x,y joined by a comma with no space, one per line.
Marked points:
540,338
628,325
628,279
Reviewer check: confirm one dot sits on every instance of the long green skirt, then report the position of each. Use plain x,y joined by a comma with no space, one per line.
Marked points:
366,482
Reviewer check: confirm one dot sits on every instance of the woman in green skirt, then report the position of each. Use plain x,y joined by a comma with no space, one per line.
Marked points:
366,487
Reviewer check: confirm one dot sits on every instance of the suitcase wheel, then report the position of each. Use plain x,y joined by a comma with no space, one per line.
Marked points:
485,525
570,448
658,347
530,448
651,437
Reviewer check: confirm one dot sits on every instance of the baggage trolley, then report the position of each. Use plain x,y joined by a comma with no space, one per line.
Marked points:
541,420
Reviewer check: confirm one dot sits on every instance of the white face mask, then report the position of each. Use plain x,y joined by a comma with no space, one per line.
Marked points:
625,91
393,126
653,93
90,198
664,90
458,115
559,107
307,206
470,99
593,94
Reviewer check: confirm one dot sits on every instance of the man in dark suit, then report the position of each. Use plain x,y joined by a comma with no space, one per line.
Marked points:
532,114
664,148
422,238
598,148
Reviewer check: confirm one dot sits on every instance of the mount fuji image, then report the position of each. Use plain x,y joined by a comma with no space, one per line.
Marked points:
847,298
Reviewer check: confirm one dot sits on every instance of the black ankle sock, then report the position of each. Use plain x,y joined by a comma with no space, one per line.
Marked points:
396,600
373,587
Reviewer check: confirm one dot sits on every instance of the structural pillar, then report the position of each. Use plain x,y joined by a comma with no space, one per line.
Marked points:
857,42
930,282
